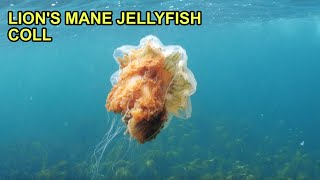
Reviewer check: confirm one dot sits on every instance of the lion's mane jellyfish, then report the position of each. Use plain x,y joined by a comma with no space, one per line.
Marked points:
152,84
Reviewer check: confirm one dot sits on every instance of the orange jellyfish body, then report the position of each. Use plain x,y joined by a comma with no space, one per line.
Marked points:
140,93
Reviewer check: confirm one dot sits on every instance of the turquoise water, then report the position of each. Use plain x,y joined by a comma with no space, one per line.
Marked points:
255,113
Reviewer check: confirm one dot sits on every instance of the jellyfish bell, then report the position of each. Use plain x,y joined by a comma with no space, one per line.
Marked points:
152,85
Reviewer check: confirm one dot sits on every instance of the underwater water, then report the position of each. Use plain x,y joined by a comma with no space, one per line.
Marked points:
255,114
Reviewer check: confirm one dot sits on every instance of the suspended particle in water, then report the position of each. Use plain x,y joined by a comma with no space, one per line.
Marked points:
302,143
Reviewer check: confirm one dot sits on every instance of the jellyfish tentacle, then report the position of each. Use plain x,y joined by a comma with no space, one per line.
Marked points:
102,146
